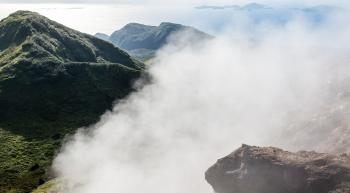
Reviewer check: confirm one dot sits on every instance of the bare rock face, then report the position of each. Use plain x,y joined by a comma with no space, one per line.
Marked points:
271,170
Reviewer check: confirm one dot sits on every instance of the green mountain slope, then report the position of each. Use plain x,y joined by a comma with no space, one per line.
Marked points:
142,41
52,80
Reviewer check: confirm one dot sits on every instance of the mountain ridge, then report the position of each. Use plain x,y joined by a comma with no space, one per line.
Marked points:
142,41
23,24
53,80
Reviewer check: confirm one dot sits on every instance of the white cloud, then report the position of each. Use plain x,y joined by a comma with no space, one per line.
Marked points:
205,101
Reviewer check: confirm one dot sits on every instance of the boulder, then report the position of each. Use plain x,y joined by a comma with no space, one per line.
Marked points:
252,169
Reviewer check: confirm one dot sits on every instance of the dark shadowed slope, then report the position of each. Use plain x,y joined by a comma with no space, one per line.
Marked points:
270,170
142,41
52,80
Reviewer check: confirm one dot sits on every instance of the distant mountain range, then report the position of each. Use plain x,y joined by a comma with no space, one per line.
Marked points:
259,13
53,80
142,41
250,6
257,7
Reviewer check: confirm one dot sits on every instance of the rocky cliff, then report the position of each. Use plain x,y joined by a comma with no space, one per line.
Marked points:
252,169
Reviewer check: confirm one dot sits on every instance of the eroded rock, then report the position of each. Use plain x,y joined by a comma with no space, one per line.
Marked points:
271,170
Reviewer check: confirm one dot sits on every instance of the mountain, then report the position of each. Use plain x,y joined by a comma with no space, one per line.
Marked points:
271,170
214,7
249,7
53,80
139,36
142,41
253,6
102,36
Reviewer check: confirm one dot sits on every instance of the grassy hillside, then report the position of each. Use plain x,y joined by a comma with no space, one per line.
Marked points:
53,80
49,187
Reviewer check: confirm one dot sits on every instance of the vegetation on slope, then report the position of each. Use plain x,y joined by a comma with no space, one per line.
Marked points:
48,187
52,80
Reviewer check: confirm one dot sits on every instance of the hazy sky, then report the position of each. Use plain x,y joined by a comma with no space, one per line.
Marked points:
131,1
92,18
106,16
168,2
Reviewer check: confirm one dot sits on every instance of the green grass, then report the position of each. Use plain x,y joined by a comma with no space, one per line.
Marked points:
48,187
53,80
24,162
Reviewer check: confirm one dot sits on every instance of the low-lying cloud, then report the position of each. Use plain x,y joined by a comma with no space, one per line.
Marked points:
204,101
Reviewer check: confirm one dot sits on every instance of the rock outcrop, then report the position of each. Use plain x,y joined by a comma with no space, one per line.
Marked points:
271,170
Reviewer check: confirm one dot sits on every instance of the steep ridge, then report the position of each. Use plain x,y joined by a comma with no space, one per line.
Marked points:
52,80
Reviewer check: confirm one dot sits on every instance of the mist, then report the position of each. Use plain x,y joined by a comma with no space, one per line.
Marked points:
204,101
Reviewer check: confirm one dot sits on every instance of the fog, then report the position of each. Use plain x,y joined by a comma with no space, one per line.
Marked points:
204,101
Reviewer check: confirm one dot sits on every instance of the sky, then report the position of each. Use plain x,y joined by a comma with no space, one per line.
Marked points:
92,16
167,2
106,18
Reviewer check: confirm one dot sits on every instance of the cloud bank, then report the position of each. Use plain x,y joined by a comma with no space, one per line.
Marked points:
204,101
